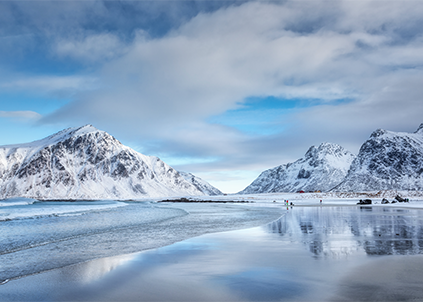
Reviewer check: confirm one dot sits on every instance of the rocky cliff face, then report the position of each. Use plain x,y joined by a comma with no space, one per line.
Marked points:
387,161
86,163
322,168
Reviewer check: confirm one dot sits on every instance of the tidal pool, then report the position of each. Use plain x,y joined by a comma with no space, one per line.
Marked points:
309,254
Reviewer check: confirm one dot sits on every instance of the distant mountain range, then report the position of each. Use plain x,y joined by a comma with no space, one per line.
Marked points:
386,161
86,163
322,168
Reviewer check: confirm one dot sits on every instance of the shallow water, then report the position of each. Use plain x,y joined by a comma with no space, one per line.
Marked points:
309,254
56,234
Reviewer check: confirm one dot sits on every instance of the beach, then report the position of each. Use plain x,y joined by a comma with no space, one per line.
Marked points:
336,251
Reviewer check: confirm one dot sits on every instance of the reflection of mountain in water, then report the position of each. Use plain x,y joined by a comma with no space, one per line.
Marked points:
341,231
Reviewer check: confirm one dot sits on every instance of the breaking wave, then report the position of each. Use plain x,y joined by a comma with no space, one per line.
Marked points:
24,208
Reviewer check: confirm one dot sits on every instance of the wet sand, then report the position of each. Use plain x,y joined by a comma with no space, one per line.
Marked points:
310,254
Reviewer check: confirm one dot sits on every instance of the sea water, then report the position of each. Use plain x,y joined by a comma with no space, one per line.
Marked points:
40,236
309,254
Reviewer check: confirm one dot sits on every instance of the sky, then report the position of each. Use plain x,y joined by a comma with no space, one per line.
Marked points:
221,89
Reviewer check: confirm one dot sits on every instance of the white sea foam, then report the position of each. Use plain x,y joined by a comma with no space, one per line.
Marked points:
16,201
24,208
79,231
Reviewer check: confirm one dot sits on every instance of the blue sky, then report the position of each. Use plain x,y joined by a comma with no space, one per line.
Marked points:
221,89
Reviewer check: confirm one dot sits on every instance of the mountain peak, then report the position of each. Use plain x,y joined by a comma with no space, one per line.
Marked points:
378,132
75,131
67,133
387,161
87,128
325,149
87,163
420,129
321,169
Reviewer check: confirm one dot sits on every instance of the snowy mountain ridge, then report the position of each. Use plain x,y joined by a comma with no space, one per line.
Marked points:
321,169
86,163
387,161
200,184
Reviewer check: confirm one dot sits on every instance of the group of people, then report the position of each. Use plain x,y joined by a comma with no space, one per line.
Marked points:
287,203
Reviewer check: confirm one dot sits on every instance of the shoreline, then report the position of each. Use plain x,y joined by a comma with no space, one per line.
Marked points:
231,265
150,226
203,208
379,194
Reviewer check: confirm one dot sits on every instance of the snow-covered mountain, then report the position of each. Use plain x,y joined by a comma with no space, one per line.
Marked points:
86,163
200,184
387,161
321,169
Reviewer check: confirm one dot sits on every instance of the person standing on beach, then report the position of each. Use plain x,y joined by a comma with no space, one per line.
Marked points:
320,201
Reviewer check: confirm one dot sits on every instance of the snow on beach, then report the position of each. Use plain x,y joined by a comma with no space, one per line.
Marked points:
22,208
313,199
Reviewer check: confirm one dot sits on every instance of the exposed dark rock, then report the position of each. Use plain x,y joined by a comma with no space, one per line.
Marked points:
321,169
94,162
387,161
365,201
385,201
399,198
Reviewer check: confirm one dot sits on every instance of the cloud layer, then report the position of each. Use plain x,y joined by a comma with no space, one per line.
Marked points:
157,82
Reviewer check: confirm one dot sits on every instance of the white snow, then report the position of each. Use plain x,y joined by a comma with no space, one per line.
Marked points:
321,169
200,183
387,161
86,163
313,199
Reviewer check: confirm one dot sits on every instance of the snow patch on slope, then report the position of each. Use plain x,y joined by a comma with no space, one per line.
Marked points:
201,184
321,169
86,163
387,161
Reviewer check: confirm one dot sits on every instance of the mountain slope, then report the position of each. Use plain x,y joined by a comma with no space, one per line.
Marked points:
387,161
322,168
86,163
200,184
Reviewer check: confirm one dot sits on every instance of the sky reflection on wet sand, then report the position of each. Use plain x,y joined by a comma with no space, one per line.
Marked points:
310,254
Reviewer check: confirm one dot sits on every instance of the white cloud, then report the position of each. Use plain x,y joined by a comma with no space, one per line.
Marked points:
49,84
165,88
92,48
21,115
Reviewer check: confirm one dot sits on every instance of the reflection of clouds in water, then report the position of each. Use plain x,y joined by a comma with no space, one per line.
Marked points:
217,267
264,284
95,269
29,246
246,265
341,231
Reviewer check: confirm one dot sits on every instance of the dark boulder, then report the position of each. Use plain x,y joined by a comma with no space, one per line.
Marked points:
399,198
385,201
365,201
